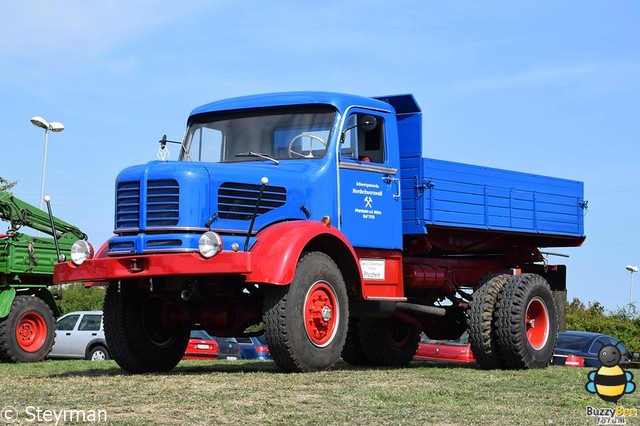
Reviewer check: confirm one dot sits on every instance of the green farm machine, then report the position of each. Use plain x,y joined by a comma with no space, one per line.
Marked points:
27,307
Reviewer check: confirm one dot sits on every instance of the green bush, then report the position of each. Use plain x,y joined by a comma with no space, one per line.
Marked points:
75,297
623,323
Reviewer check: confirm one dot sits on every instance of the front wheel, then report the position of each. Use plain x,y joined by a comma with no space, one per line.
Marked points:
526,323
137,340
306,322
27,333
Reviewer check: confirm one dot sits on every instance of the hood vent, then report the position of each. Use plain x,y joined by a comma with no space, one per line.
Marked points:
163,203
238,200
128,205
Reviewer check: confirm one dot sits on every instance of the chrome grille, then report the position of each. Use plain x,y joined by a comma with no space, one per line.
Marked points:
238,200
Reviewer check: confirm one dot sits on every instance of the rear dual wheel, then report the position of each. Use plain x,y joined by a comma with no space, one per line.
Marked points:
513,322
526,323
481,321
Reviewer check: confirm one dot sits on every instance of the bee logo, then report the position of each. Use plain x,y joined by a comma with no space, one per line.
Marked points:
610,381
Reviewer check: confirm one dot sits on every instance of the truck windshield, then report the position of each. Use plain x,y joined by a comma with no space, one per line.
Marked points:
259,135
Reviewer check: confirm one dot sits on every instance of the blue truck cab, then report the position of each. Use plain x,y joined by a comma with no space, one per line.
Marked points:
317,215
314,169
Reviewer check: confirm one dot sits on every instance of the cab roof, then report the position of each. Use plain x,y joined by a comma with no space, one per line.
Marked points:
340,101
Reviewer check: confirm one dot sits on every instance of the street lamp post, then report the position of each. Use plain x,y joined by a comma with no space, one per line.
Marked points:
631,269
54,127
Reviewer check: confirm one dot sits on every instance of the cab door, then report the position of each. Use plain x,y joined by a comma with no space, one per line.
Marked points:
369,186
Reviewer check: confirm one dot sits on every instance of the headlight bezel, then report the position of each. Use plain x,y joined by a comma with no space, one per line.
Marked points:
209,244
81,251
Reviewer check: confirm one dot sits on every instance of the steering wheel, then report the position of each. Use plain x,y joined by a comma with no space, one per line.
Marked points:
305,135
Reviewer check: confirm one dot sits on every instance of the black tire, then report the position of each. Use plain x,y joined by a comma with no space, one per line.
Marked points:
318,294
352,352
526,323
28,332
481,321
98,353
132,329
388,342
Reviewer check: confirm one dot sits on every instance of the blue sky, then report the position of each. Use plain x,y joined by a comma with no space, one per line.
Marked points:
546,87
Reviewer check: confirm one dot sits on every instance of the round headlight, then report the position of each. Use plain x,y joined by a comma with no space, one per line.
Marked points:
210,244
81,250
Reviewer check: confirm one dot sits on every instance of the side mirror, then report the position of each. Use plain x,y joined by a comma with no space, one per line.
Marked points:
368,122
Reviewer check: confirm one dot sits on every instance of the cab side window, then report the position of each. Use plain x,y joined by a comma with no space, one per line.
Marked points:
364,139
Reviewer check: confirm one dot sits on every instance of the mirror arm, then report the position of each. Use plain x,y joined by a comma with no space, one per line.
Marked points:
364,123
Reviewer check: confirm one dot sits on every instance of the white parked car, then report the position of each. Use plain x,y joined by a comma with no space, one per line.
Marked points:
80,335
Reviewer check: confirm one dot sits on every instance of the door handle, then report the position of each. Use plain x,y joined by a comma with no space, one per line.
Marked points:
388,179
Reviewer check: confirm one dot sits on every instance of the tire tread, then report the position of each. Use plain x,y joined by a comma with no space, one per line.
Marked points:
284,329
513,346
482,333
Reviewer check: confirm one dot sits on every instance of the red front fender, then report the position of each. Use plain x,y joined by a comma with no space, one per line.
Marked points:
276,253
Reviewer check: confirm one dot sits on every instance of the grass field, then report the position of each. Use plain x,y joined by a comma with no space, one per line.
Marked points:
256,393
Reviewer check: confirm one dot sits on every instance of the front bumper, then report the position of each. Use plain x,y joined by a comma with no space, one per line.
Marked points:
152,265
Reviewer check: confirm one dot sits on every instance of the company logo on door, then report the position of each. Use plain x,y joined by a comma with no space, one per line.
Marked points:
368,190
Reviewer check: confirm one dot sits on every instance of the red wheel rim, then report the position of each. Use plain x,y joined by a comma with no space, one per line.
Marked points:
537,323
321,314
31,332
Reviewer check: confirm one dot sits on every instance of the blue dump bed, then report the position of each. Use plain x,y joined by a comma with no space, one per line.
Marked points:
466,196
461,206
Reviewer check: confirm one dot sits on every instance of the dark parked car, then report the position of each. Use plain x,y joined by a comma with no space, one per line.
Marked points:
254,347
580,348
228,348
80,335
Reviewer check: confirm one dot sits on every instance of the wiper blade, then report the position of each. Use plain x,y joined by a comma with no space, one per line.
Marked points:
258,155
